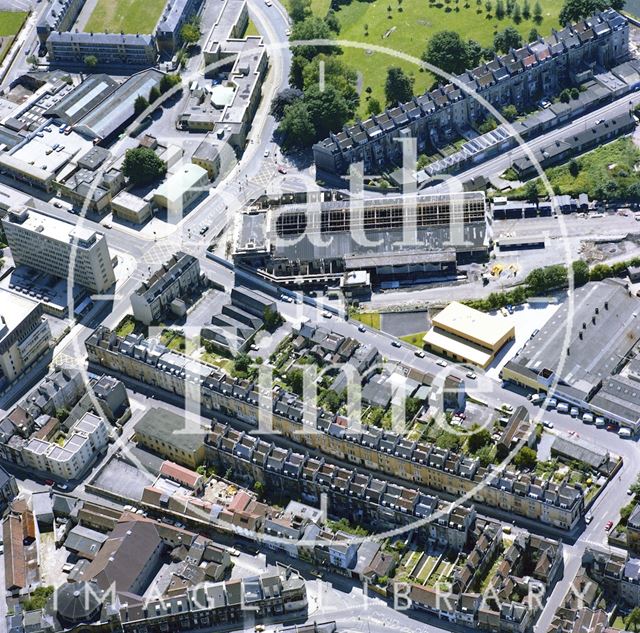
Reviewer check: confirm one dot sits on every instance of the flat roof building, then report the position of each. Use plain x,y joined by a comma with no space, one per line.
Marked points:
24,336
130,207
110,49
59,248
468,335
181,188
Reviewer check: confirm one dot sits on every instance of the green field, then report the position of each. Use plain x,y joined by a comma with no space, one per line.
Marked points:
129,16
10,24
615,162
408,27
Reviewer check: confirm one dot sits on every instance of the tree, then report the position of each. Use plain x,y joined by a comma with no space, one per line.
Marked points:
574,167
633,619
398,87
62,414
531,191
526,10
32,60
504,41
190,31
169,81
580,270
533,35
299,10
500,10
510,112
328,109
574,10
284,98
272,319
311,28
258,488
478,440
486,455
336,73
526,458
90,61
332,21
447,51
154,94
242,363
142,166
565,96
537,12
516,14
297,127
373,106
140,105
475,53
295,380
449,441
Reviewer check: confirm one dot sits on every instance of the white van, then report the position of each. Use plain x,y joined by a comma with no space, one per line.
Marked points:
600,422
624,432
562,407
587,418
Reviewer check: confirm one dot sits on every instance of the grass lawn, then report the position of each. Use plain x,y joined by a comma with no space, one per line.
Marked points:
251,29
129,325
414,339
372,319
130,16
10,24
614,161
424,571
408,27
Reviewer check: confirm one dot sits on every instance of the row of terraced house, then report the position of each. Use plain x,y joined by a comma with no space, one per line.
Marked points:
557,504
540,69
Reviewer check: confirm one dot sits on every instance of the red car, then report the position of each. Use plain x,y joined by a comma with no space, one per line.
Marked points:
49,482
282,169
608,526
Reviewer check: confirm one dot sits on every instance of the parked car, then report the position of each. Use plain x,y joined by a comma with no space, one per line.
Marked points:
547,424
49,482
600,422
471,375
326,315
362,328
625,432
441,363
419,353
575,412
506,407
608,526
587,418
588,518
395,343
552,403
562,407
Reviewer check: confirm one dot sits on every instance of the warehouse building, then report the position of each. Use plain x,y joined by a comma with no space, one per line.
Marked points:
467,335
181,189
57,248
313,242
595,368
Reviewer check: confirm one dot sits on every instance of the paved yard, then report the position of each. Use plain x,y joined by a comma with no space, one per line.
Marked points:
403,323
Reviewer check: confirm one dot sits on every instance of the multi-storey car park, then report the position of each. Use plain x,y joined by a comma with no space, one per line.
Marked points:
320,240
557,504
539,69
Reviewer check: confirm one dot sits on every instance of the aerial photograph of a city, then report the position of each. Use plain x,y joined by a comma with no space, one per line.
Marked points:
319,316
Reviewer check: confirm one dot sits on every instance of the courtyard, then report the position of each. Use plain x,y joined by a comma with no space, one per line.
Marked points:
128,16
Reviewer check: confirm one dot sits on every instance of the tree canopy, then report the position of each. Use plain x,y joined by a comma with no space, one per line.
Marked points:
190,31
575,10
142,165
398,87
449,52
284,98
504,41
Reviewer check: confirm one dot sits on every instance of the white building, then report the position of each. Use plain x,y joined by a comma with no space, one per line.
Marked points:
180,189
57,247
24,336
86,438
